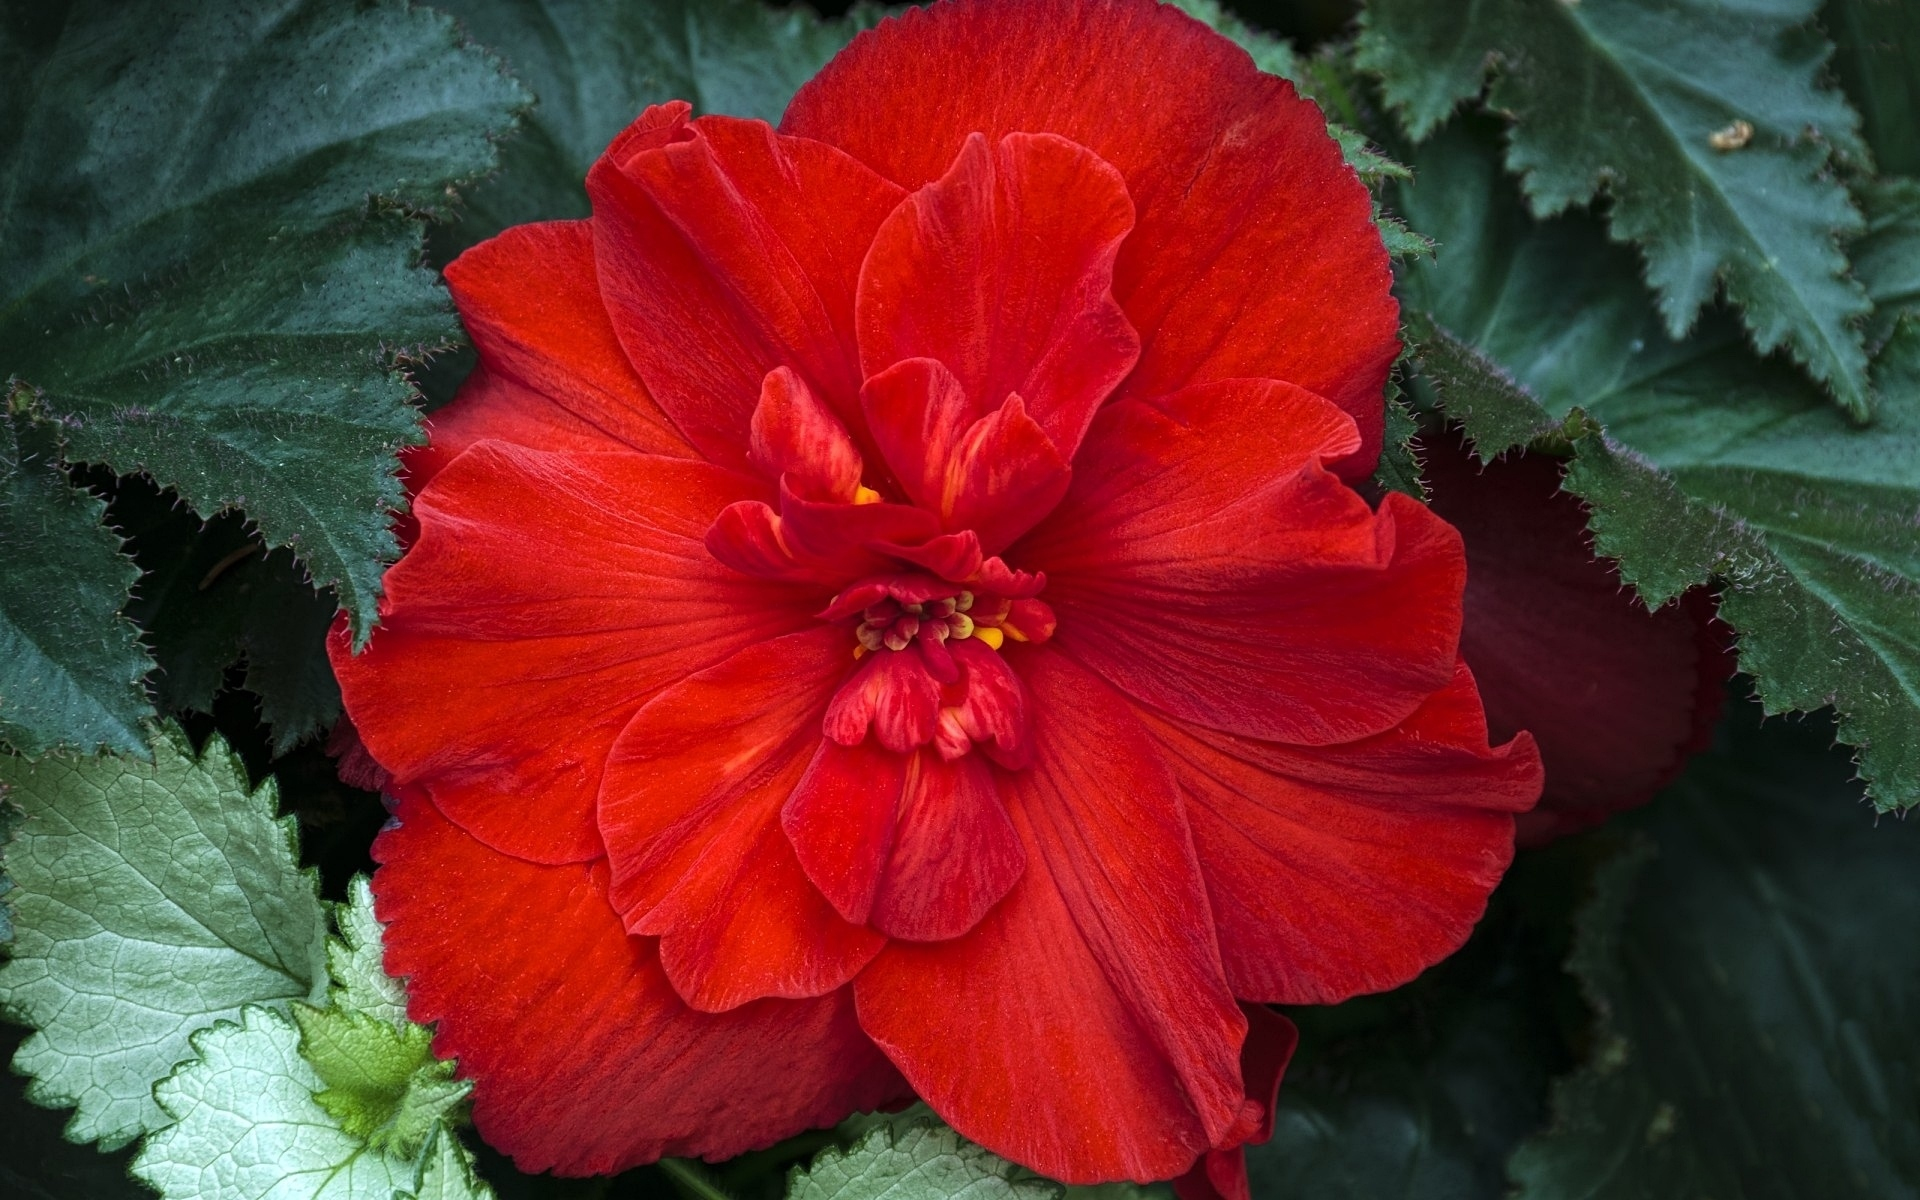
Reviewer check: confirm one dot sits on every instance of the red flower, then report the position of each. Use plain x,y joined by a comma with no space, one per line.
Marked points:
887,605
1618,697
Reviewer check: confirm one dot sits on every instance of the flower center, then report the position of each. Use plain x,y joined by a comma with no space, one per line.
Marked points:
892,625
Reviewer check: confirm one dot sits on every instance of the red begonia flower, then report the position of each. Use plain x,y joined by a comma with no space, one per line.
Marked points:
888,612
1617,697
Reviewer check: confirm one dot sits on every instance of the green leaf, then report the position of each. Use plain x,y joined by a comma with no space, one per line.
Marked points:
916,1160
1705,121
206,271
9,821
36,1163
151,899
1751,962
211,596
1424,1091
1876,44
383,1085
70,666
1399,468
446,1173
1699,462
595,67
247,1126
354,960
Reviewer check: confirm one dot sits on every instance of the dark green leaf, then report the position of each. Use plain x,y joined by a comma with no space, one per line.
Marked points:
1705,121
70,665
1757,984
1877,45
204,271
1711,465
1423,1092
594,67
211,596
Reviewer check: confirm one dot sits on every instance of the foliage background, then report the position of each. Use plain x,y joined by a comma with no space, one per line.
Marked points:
1676,242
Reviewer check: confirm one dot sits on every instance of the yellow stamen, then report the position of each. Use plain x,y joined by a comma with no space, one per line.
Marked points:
1013,633
866,495
991,635
859,652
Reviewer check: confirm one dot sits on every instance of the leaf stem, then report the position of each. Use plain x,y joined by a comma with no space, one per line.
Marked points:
691,1180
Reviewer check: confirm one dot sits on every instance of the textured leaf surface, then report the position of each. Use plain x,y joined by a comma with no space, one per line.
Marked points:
151,900
70,666
9,820
446,1173
1705,121
193,273
247,1126
354,960
1704,462
36,1163
916,1160
383,1085
594,67
1754,972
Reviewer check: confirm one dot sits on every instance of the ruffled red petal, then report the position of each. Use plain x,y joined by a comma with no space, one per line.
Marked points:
725,250
1346,869
1083,1028
1206,564
1617,697
1002,270
584,1060
1253,253
690,811
1221,1173
548,597
553,340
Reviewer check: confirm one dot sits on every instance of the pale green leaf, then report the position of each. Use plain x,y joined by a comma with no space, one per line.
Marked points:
70,665
916,1160
354,959
1707,124
446,1173
1752,966
1698,461
247,1126
205,271
151,899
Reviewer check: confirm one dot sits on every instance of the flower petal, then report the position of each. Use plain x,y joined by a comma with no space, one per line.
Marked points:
1002,270
1083,1028
724,251
690,811
840,819
1253,253
555,339
1221,1173
1205,563
1617,697
584,1060
1338,870
548,596
491,407
954,854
